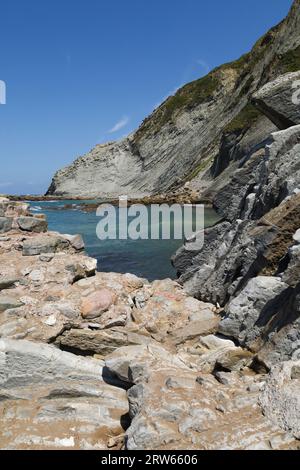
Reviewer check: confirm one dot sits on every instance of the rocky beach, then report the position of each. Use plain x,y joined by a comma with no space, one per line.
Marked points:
93,360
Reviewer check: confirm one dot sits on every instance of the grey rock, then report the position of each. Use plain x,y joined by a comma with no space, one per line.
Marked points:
102,342
5,224
76,241
32,224
279,100
280,399
251,308
44,244
8,302
7,282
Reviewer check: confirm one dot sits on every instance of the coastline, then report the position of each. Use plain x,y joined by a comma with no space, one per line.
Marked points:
101,336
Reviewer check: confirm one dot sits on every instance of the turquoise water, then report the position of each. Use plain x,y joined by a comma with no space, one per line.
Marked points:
145,258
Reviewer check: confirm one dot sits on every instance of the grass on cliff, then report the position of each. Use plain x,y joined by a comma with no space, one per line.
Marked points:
187,97
203,165
243,121
290,61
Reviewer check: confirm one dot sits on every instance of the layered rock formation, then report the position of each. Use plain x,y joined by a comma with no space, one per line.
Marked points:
205,128
250,261
92,360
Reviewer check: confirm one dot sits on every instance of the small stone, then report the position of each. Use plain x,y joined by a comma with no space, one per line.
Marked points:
222,377
36,276
5,239
96,303
296,236
51,321
46,257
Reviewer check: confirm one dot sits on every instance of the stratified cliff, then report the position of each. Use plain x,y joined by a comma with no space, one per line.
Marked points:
250,262
198,134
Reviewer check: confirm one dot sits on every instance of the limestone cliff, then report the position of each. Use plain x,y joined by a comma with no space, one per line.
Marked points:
198,134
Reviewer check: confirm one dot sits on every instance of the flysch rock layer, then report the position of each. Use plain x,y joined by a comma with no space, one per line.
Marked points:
92,360
199,136
249,262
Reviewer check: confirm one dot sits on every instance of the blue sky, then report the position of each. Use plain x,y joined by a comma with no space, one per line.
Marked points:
83,72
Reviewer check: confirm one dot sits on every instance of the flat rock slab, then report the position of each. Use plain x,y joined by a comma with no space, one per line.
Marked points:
51,399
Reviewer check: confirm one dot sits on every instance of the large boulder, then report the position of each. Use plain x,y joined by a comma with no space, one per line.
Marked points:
279,100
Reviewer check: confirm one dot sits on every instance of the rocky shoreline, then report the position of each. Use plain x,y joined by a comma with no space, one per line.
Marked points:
92,360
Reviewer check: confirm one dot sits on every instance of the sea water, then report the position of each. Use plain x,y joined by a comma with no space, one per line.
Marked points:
145,258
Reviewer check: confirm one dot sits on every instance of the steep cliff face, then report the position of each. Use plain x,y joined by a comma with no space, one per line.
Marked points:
250,261
199,134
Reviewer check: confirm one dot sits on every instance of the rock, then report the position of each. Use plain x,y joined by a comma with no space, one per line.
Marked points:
76,241
280,399
248,313
7,302
296,236
96,303
56,400
44,244
46,257
194,329
51,320
5,224
213,342
278,100
101,342
172,407
234,360
6,283
223,377
32,224
126,359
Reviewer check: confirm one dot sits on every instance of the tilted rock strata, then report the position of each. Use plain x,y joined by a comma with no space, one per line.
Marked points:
204,129
250,261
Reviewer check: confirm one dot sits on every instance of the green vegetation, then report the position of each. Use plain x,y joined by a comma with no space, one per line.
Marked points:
243,120
290,61
204,89
187,97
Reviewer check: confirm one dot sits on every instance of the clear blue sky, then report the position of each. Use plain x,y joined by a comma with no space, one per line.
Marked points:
82,72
